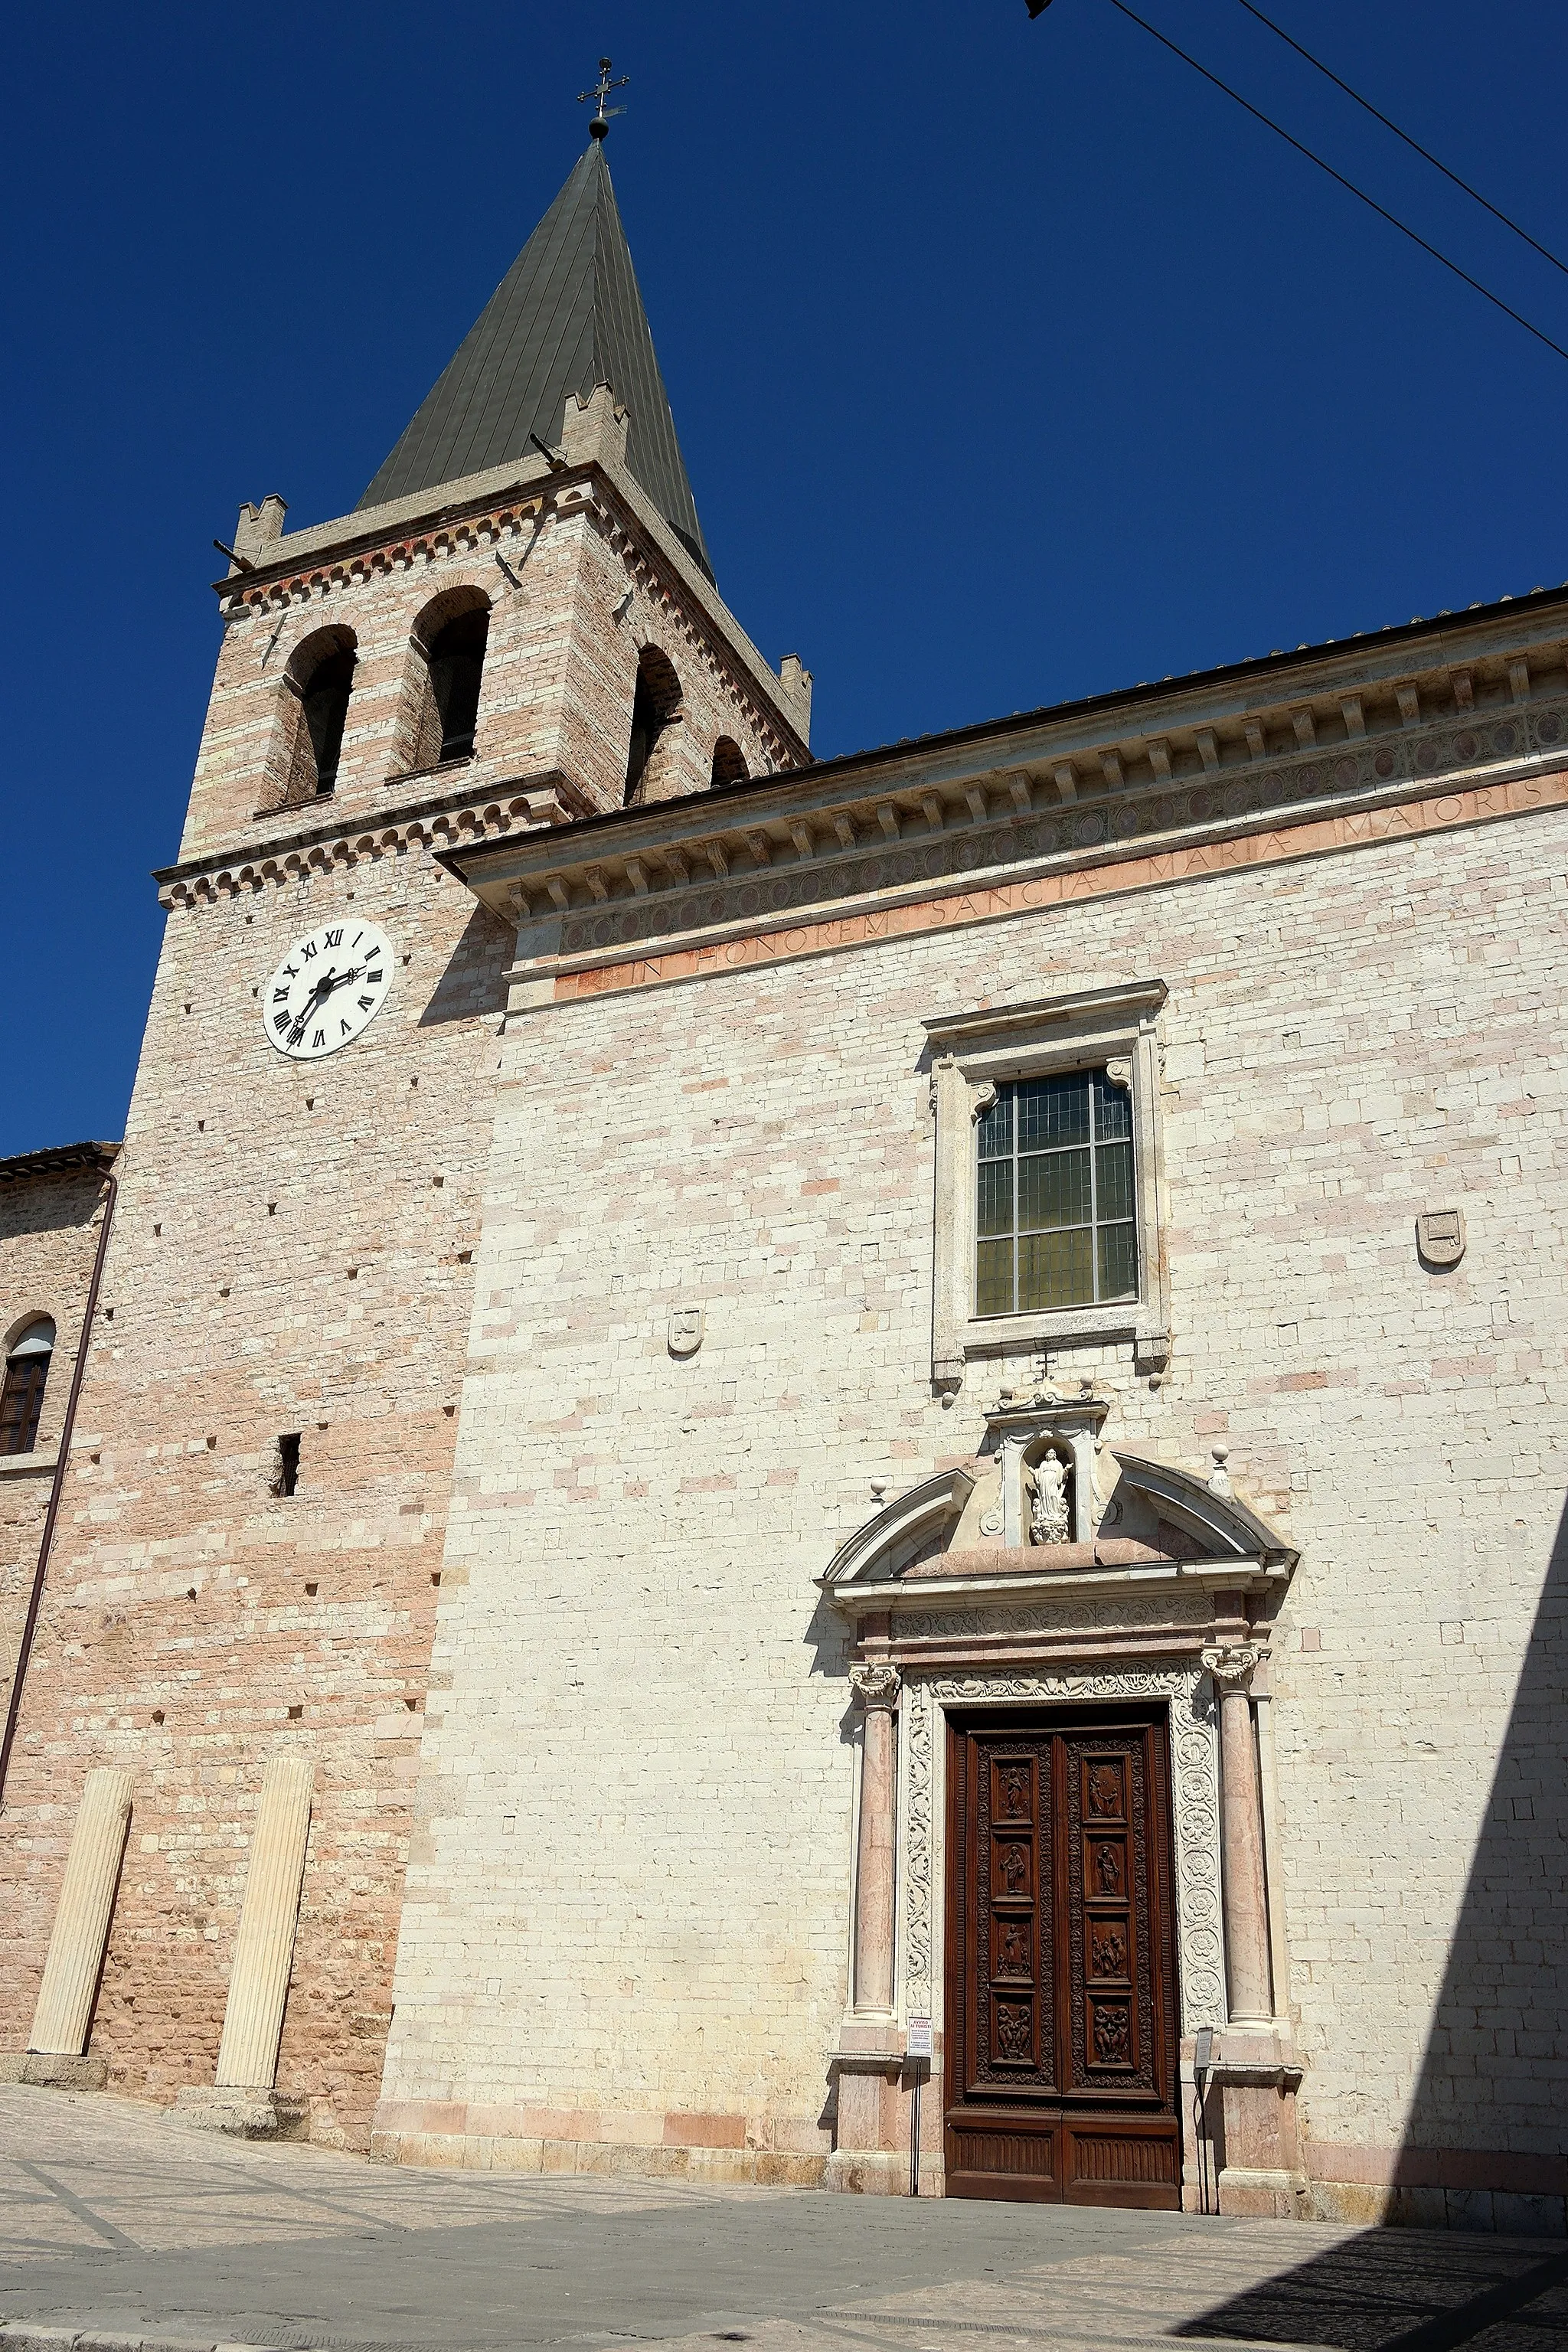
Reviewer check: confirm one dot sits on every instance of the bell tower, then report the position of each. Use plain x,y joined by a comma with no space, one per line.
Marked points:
516,628
518,623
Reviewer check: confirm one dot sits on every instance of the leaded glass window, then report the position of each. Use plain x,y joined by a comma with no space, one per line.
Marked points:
1056,1215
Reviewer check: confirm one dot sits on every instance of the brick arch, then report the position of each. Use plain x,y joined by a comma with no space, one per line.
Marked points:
729,763
658,701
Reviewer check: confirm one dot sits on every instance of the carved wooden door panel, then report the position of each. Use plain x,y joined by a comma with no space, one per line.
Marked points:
1061,2024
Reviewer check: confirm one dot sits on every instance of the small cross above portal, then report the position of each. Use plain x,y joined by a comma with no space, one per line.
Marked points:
600,126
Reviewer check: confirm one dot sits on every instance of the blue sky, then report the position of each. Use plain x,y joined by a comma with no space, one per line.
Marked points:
1010,362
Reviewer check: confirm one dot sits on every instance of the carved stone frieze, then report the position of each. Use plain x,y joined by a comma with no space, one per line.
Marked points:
1214,802
1171,1609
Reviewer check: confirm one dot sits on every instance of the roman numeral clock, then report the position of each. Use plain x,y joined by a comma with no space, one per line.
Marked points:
328,987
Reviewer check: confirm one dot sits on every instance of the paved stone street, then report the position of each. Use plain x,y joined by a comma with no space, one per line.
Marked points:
116,2223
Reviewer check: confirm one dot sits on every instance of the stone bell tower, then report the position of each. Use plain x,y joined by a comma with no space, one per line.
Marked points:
517,628
519,621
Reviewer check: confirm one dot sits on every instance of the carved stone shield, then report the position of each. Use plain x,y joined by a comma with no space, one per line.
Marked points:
1440,1236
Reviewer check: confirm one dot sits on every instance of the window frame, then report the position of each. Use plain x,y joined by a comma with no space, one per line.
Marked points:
971,1054
14,1370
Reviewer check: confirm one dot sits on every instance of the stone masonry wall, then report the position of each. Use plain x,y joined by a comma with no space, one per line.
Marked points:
292,1252
49,1238
626,1933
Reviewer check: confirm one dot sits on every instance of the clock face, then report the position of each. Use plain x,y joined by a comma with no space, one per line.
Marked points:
330,986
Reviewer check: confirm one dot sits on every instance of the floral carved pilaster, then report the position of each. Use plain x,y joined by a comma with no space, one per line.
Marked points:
918,1850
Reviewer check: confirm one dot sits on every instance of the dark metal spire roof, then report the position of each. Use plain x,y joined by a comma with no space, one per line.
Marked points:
566,316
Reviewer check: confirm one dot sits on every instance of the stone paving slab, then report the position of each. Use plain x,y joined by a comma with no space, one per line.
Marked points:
119,2228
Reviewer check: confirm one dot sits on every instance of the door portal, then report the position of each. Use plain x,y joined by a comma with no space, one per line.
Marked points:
1061,2072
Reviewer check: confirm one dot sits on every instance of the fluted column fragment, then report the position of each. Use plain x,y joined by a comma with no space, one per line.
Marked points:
64,2013
264,1948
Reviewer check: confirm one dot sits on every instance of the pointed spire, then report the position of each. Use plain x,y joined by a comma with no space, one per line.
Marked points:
566,316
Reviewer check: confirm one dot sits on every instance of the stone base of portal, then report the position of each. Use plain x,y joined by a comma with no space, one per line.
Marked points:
871,2147
241,2114
1251,2115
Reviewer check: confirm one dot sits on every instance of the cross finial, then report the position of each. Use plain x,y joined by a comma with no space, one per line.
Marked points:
600,126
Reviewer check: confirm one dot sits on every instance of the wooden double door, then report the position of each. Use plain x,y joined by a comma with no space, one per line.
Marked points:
1061,2072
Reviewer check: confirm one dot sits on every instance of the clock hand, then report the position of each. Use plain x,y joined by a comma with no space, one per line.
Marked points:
328,981
312,1003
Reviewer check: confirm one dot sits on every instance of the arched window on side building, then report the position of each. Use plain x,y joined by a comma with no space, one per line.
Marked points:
26,1375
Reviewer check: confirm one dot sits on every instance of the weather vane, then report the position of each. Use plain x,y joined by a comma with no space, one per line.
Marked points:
600,126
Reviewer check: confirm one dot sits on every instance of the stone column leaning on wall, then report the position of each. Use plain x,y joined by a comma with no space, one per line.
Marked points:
869,2062
57,2047
243,2101
877,1688
1256,2076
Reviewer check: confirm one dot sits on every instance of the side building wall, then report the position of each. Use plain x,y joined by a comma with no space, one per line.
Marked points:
49,1238
626,1937
291,1254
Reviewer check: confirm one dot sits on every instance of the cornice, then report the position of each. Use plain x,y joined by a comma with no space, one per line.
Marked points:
58,1159
475,814
872,832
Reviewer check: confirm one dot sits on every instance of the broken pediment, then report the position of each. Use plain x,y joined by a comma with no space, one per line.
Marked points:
1046,1501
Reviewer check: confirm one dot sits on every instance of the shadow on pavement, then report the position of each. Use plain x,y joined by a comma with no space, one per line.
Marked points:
1482,2145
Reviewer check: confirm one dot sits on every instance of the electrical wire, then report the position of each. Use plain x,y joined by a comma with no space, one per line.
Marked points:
1415,144
1370,202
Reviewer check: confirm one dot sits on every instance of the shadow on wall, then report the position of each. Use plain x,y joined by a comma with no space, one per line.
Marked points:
472,985
1484,2141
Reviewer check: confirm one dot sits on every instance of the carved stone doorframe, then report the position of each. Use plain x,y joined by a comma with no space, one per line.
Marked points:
1194,1795
956,1618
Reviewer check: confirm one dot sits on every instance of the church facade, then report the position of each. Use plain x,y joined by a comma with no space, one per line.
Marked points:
835,1471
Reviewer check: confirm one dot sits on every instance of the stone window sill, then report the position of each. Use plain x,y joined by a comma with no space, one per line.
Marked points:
1066,1327
441,767
29,1465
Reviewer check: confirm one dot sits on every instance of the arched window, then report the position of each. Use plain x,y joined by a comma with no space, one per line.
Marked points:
26,1373
729,762
450,640
655,705
319,680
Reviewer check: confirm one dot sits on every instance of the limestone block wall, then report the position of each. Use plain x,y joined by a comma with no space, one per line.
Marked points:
48,1237
291,1254
626,1937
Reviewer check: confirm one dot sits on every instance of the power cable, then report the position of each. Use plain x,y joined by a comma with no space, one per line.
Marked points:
1415,144
1370,202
